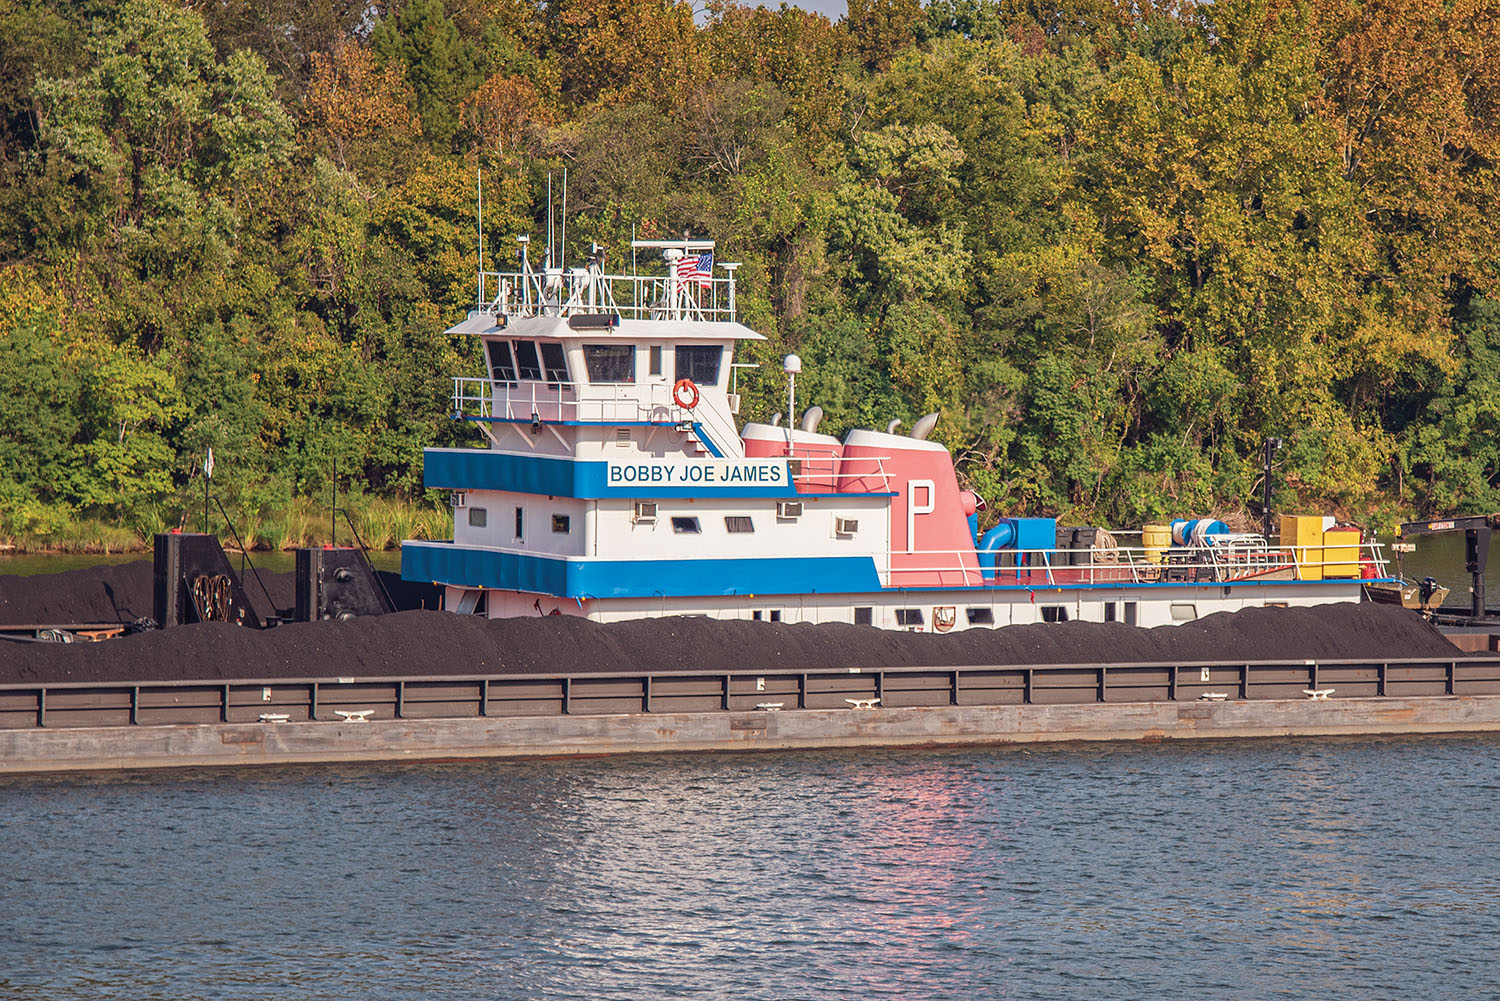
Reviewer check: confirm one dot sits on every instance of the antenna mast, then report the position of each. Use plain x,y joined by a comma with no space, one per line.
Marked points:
479,173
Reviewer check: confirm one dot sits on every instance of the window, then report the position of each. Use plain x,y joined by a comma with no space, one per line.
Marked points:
1184,612
610,362
502,362
775,615
561,524
756,615
686,526
528,366
1109,611
1130,613
520,524
655,359
981,617
1054,613
555,363
701,364
864,615
737,524
477,517
908,616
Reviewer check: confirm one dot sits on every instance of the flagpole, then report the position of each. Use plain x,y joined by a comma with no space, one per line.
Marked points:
208,474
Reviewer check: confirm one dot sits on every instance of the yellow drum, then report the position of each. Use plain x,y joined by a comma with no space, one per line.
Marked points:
1156,539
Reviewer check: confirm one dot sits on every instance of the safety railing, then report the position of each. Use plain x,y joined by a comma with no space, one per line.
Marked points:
1244,559
566,292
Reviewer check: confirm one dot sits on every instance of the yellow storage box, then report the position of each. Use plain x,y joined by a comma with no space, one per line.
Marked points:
1303,535
1341,553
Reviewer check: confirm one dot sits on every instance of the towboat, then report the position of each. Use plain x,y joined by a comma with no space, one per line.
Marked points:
615,481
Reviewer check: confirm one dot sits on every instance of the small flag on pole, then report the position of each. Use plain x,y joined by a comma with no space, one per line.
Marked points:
208,465
699,267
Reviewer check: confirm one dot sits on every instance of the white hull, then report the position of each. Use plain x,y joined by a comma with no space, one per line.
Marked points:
1150,606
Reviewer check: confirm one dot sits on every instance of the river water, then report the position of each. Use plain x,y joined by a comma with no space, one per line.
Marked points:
1297,869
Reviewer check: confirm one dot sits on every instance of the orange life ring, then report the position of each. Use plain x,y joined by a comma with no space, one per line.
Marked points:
685,394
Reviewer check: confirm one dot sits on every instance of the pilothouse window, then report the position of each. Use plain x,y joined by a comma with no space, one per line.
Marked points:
610,362
699,363
502,362
527,363
555,363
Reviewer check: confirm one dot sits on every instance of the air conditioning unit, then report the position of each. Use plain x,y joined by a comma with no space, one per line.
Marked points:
788,509
456,498
846,526
645,513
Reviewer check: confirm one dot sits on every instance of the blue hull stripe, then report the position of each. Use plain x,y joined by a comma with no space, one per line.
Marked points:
445,563
483,469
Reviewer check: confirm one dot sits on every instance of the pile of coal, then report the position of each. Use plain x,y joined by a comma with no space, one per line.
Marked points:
418,643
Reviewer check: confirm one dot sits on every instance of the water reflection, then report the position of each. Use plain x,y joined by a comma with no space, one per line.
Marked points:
1310,868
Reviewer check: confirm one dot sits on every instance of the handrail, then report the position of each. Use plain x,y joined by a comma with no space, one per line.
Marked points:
566,292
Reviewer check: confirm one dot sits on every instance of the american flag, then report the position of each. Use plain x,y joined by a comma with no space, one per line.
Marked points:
700,267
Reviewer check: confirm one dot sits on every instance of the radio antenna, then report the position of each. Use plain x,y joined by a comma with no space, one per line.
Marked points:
562,250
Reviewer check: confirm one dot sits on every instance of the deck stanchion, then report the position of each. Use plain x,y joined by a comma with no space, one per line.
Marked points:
802,691
953,690
484,697
1380,679
312,702
135,704
400,700
224,706
1026,687
567,696
646,694
41,707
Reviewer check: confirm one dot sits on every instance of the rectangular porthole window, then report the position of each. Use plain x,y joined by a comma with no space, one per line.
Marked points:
1109,611
738,524
686,526
1054,613
1130,613
610,363
756,615
561,524
520,524
477,516
775,615
701,364
1184,612
981,616
908,616
864,615
656,359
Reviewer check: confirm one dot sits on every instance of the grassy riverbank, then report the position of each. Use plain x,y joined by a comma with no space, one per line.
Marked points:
381,524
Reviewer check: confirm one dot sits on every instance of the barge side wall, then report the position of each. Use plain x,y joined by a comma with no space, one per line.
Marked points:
102,749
